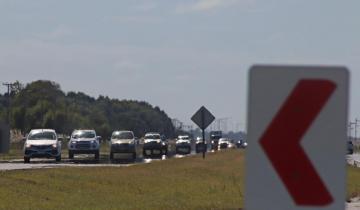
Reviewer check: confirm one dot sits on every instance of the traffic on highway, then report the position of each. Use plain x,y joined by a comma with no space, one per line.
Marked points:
45,143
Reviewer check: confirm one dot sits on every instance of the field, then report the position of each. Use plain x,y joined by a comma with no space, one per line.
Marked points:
187,183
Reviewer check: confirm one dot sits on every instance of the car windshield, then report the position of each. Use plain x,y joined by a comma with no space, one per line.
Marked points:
42,136
122,135
83,135
183,137
152,136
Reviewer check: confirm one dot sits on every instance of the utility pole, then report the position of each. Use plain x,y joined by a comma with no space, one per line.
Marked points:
349,131
351,127
9,86
356,125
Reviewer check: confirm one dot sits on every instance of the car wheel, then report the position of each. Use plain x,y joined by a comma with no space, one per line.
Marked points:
71,155
97,155
26,160
58,158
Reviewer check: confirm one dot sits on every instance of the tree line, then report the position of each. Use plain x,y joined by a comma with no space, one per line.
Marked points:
42,104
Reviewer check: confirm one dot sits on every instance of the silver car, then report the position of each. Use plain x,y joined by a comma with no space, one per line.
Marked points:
42,143
84,142
122,142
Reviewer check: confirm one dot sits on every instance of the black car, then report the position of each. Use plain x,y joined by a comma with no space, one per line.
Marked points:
350,148
241,144
214,137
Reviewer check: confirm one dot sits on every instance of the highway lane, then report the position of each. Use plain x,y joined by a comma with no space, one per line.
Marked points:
82,161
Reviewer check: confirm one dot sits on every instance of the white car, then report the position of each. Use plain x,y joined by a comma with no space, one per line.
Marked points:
183,145
199,145
42,143
153,145
224,143
122,142
84,142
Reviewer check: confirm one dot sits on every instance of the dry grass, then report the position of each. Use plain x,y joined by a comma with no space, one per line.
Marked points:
188,183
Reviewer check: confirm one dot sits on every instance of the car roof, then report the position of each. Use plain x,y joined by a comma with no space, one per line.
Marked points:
123,131
86,130
42,130
152,133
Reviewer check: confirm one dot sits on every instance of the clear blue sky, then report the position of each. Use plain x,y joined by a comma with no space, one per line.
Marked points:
175,54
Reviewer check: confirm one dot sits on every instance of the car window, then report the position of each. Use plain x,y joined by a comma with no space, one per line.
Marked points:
154,136
122,135
83,134
42,136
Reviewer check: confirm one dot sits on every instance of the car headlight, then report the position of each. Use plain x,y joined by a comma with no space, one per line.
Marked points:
27,145
54,146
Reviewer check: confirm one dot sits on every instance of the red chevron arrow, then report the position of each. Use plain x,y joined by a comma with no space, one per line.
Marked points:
281,142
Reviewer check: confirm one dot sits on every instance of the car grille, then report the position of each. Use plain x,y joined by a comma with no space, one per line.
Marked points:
120,146
41,147
83,145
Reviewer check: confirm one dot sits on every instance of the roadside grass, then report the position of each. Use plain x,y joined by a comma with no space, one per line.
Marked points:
187,183
353,182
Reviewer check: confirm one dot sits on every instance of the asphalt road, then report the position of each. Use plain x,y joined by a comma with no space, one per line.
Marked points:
81,161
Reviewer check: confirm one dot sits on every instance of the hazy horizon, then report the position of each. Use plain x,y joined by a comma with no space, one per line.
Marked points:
178,55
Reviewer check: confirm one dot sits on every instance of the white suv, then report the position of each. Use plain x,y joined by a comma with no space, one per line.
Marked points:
84,142
42,143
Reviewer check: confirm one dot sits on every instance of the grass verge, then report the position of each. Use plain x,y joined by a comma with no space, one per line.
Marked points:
188,183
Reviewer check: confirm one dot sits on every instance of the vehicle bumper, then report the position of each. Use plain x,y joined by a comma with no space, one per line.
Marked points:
123,148
50,153
200,147
183,148
83,151
152,146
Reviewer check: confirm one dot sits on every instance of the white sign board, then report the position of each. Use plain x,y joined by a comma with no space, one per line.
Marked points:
297,138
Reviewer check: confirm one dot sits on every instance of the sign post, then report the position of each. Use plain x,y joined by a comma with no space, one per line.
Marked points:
297,133
203,118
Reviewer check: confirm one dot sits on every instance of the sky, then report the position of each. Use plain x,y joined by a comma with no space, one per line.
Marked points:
178,55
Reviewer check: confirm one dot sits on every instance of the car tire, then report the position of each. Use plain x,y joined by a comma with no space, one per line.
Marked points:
71,155
58,158
97,155
26,160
